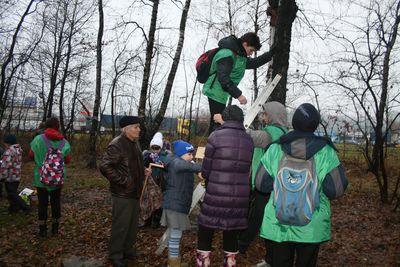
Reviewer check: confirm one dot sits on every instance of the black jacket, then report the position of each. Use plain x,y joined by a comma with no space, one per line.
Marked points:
225,65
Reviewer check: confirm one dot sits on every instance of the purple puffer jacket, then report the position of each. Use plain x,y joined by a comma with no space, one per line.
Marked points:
226,168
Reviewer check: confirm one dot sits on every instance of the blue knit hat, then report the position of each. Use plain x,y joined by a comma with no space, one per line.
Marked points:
181,147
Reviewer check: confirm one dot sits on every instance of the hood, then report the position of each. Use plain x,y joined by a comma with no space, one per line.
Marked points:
233,43
276,113
53,134
303,145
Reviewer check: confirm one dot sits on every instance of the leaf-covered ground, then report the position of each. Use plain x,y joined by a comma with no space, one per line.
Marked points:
364,232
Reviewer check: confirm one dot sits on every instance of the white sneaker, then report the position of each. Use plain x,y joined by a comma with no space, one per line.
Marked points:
262,263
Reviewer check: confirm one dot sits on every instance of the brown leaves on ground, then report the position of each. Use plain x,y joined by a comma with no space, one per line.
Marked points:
364,232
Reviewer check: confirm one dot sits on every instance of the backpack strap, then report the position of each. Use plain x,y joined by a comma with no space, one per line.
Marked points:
46,140
61,145
215,72
48,144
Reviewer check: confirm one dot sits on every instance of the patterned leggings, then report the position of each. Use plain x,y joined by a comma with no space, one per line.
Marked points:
174,242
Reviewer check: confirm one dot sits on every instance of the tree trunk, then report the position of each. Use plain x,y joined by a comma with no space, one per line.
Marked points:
57,54
66,69
94,129
378,153
167,92
147,68
191,110
114,82
70,125
256,29
286,14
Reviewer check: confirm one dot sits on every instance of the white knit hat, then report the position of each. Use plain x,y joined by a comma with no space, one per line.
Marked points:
158,135
156,141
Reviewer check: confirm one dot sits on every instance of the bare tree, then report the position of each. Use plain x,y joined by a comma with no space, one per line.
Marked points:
58,33
364,74
258,17
7,75
78,17
283,13
155,124
79,82
122,64
94,129
147,64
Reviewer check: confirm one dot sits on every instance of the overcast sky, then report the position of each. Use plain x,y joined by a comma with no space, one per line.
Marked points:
310,48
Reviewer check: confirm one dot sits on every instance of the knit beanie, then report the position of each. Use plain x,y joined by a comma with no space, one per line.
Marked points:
306,118
158,135
181,147
128,120
10,139
156,141
233,113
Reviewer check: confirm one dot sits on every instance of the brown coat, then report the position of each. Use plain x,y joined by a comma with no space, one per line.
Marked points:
122,165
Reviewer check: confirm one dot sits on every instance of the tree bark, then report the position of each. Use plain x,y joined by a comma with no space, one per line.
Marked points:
147,65
94,129
286,14
378,149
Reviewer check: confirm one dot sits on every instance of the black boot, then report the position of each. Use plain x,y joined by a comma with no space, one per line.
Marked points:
54,228
119,263
42,230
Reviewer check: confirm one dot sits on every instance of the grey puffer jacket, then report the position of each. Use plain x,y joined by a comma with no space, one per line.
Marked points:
180,181
226,168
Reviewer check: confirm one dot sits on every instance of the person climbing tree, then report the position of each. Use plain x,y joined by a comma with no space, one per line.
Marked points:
227,70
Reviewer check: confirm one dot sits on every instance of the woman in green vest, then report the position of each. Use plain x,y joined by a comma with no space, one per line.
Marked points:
40,147
286,226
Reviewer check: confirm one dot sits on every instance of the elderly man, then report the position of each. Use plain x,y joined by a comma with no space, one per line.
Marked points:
123,166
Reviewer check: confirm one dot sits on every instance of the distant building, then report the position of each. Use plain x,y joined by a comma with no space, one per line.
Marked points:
331,134
22,113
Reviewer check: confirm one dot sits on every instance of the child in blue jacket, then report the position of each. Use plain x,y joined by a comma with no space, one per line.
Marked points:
177,197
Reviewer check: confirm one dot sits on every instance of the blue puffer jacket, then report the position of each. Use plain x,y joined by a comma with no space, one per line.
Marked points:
179,189
226,168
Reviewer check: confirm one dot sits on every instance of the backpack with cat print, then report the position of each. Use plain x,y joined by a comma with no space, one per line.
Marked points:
52,170
296,191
